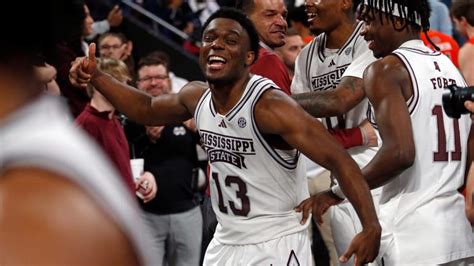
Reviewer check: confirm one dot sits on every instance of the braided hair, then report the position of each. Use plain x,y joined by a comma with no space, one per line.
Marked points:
415,13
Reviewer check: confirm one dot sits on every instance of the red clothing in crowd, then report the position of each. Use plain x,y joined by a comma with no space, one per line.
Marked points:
269,65
446,44
110,136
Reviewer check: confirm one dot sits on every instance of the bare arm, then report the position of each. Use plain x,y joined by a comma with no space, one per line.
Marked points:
278,114
335,102
387,85
470,178
466,64
137,105
47,226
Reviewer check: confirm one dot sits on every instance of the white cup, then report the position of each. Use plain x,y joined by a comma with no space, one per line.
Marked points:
137,167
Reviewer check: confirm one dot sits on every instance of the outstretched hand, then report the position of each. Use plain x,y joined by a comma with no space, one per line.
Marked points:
364,246
318,205
83,68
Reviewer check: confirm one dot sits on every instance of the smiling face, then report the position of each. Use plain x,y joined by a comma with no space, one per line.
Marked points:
154,80
225,54
325,15
269,18
379,33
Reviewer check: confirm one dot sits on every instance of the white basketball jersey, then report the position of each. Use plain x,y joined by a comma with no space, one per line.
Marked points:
39,135
421,209
318,68
254,188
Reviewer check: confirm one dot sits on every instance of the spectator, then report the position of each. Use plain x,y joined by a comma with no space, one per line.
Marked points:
176,82
114,19
269,18
99,120
180,15
170,155
70,45
288,52
117,46
439,17
462,12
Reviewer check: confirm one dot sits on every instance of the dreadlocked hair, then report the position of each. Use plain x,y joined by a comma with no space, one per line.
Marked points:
416,10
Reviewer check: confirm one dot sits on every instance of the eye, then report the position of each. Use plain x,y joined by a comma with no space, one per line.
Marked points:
231,41
208,38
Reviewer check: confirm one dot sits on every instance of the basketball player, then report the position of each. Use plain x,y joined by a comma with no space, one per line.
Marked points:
422,159
250,129
328,84
61,202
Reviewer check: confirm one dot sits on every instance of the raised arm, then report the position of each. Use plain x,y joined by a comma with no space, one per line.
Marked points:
334,102
387,85
278,114
138,106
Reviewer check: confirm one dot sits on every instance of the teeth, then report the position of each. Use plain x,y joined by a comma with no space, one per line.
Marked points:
216,58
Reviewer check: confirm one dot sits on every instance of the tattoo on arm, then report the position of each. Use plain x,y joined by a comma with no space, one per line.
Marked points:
333,102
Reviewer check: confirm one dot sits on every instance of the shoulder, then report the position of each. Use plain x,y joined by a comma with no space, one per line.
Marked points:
40,212
386,65
192,92
388,70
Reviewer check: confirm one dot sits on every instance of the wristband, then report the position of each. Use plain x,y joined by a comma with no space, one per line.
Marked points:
336,190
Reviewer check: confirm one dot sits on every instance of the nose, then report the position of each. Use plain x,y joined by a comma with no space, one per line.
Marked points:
218,43
309,3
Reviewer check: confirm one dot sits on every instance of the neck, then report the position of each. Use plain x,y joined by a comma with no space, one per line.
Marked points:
101,104
225,96
337,37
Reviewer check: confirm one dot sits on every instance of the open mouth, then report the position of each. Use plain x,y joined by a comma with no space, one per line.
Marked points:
215,62
311,13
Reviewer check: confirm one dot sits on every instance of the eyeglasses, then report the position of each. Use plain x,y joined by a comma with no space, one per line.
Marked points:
149,79
113,47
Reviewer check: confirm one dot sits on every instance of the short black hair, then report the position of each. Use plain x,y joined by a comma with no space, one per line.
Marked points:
152,59
463,8
243,20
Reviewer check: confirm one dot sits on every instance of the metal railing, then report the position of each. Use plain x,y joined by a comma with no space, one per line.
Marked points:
155,20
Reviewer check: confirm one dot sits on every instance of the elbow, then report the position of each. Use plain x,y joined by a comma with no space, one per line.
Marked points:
405,158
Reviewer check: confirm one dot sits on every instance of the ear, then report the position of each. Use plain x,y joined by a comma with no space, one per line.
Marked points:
346,5
463,21
249,58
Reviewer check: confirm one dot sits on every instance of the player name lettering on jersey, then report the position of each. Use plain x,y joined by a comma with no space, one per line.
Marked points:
328,80
442,82
227,149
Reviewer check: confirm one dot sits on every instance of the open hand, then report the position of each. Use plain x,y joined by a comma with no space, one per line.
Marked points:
364,246
317,205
